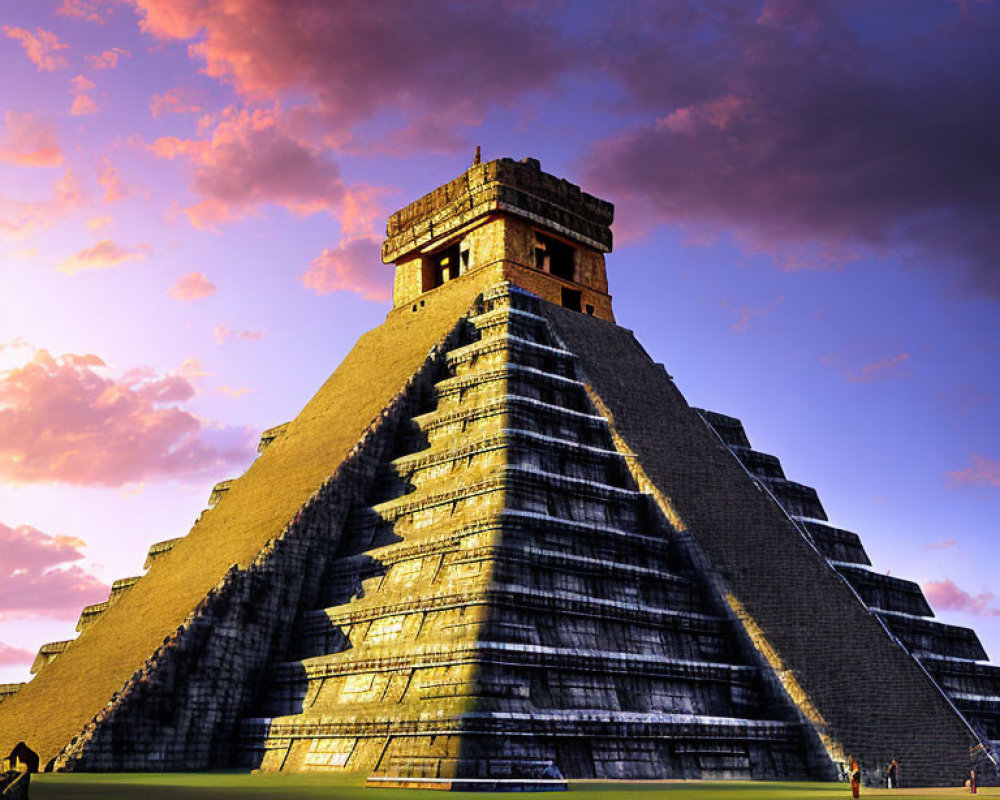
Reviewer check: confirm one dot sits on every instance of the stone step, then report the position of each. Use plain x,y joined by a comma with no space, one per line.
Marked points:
521,483
545,529
512,378
729,429
509,409
835,543
511,349
797,499
762,465
47,653
514,654
450,451
921,634
886,591
572,722
160,549
523,598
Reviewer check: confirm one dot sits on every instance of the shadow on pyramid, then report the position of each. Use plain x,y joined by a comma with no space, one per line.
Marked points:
498,550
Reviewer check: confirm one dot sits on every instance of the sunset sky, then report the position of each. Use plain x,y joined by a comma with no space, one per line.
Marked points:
193,195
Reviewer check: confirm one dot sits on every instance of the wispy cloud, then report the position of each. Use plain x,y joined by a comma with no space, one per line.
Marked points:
877,370
86,10
14,656
746,314
115,188
192,286
42,47
945,544
983,472
107,59
946,596
355,265
223,331
84,103
29,141
175,101
236,394
868,371
102,255
20,219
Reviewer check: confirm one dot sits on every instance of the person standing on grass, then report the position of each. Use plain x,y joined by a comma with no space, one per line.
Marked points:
972,781
855,778
893,775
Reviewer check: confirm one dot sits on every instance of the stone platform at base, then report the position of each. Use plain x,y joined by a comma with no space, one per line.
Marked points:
468,784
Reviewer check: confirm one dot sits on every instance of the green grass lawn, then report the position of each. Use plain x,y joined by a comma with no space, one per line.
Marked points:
228,785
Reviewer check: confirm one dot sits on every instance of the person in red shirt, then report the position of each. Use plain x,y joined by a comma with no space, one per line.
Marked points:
855,778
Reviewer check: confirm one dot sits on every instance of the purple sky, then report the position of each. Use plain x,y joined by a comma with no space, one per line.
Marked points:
193,192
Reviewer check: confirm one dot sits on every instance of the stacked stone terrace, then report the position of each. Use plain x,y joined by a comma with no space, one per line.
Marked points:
507,606
951,654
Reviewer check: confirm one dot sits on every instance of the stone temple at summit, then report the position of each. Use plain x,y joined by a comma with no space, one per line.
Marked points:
498,549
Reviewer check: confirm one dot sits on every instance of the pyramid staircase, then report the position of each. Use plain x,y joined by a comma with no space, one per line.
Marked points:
507,606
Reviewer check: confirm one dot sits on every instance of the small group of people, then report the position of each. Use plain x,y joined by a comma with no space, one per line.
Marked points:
854,774
892,777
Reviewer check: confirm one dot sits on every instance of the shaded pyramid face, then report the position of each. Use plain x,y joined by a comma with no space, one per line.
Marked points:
951,655
506,605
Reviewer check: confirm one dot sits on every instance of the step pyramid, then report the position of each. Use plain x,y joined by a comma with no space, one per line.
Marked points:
498,550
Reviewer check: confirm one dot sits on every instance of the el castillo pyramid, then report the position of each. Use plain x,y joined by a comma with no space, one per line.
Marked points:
499,550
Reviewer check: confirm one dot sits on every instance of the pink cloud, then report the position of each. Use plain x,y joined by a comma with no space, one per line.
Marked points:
174,101
102,255
353,60
29,141
38,578
83,103
946,596
236,394
361,210
191,370
223,331
69,419
96,223
877,370
115,188
42,47
746,313
192,286
983,472
14,656
719,112
252,157
107,59
945,544
794,131
80,9
19,219
355,265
